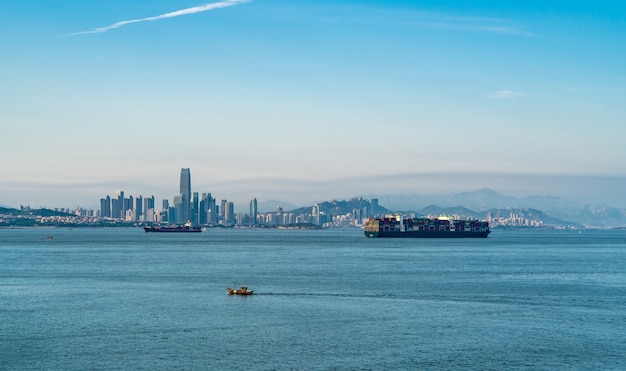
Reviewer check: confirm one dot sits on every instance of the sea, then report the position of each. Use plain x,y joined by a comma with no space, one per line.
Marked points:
119,298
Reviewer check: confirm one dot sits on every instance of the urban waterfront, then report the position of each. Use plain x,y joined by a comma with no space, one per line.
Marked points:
118,298
204,210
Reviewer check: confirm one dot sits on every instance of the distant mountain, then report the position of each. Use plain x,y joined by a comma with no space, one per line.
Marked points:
435,210
463,212
595,215
335,207
8,211
34,212
538,215
48,212
550,210
485,199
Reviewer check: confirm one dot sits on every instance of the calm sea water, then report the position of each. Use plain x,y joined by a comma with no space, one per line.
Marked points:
124,299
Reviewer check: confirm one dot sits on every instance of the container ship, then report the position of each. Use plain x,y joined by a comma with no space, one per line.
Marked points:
186,228
441,227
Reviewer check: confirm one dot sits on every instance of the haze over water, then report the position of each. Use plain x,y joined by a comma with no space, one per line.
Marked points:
330,299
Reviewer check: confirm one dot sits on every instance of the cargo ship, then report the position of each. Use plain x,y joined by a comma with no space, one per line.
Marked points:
186,228
441,227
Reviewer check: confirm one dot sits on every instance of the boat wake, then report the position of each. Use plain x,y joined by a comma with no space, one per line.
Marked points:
333,295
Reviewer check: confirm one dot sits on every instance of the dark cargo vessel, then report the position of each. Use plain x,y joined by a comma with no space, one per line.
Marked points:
187,228
442,227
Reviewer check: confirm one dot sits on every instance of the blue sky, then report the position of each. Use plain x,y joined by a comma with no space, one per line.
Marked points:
310,100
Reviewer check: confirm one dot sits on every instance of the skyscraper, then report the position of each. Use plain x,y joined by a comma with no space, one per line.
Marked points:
253,211
118,211
105,207
185,192
207,209
229,213
222,210
374,205
315,214
148,204
195,204
178,210
137,207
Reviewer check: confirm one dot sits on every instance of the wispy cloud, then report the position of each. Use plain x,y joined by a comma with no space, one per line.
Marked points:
470,23
505,94
177,13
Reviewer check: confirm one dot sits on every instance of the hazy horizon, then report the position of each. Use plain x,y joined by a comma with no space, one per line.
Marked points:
584,190
307,101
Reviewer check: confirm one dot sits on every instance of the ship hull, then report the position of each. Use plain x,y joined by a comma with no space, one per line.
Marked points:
427,234
173,230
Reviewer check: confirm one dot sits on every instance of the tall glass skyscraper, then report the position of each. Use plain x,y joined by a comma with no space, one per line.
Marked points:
185,192
315,214
253,211
374,204
195,204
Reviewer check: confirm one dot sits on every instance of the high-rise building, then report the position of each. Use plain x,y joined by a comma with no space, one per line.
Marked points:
179,210
148,209
374,204
105,207
148,203
356,216
171,215
195,208
149,215
270,219
206,207
253,211
222,210
242,219
185,192
288,218
315,214
126,205
115,208
138,207
229,213
213,210
118,211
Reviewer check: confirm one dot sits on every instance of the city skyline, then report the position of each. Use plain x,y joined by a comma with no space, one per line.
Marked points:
202,208
190,207
309,101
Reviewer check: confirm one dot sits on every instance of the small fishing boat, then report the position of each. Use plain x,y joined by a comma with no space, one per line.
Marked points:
242,291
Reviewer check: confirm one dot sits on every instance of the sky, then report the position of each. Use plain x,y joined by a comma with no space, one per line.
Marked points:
306,101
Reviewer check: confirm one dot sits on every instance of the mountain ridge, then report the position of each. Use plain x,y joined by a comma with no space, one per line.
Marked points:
486,199
480,202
